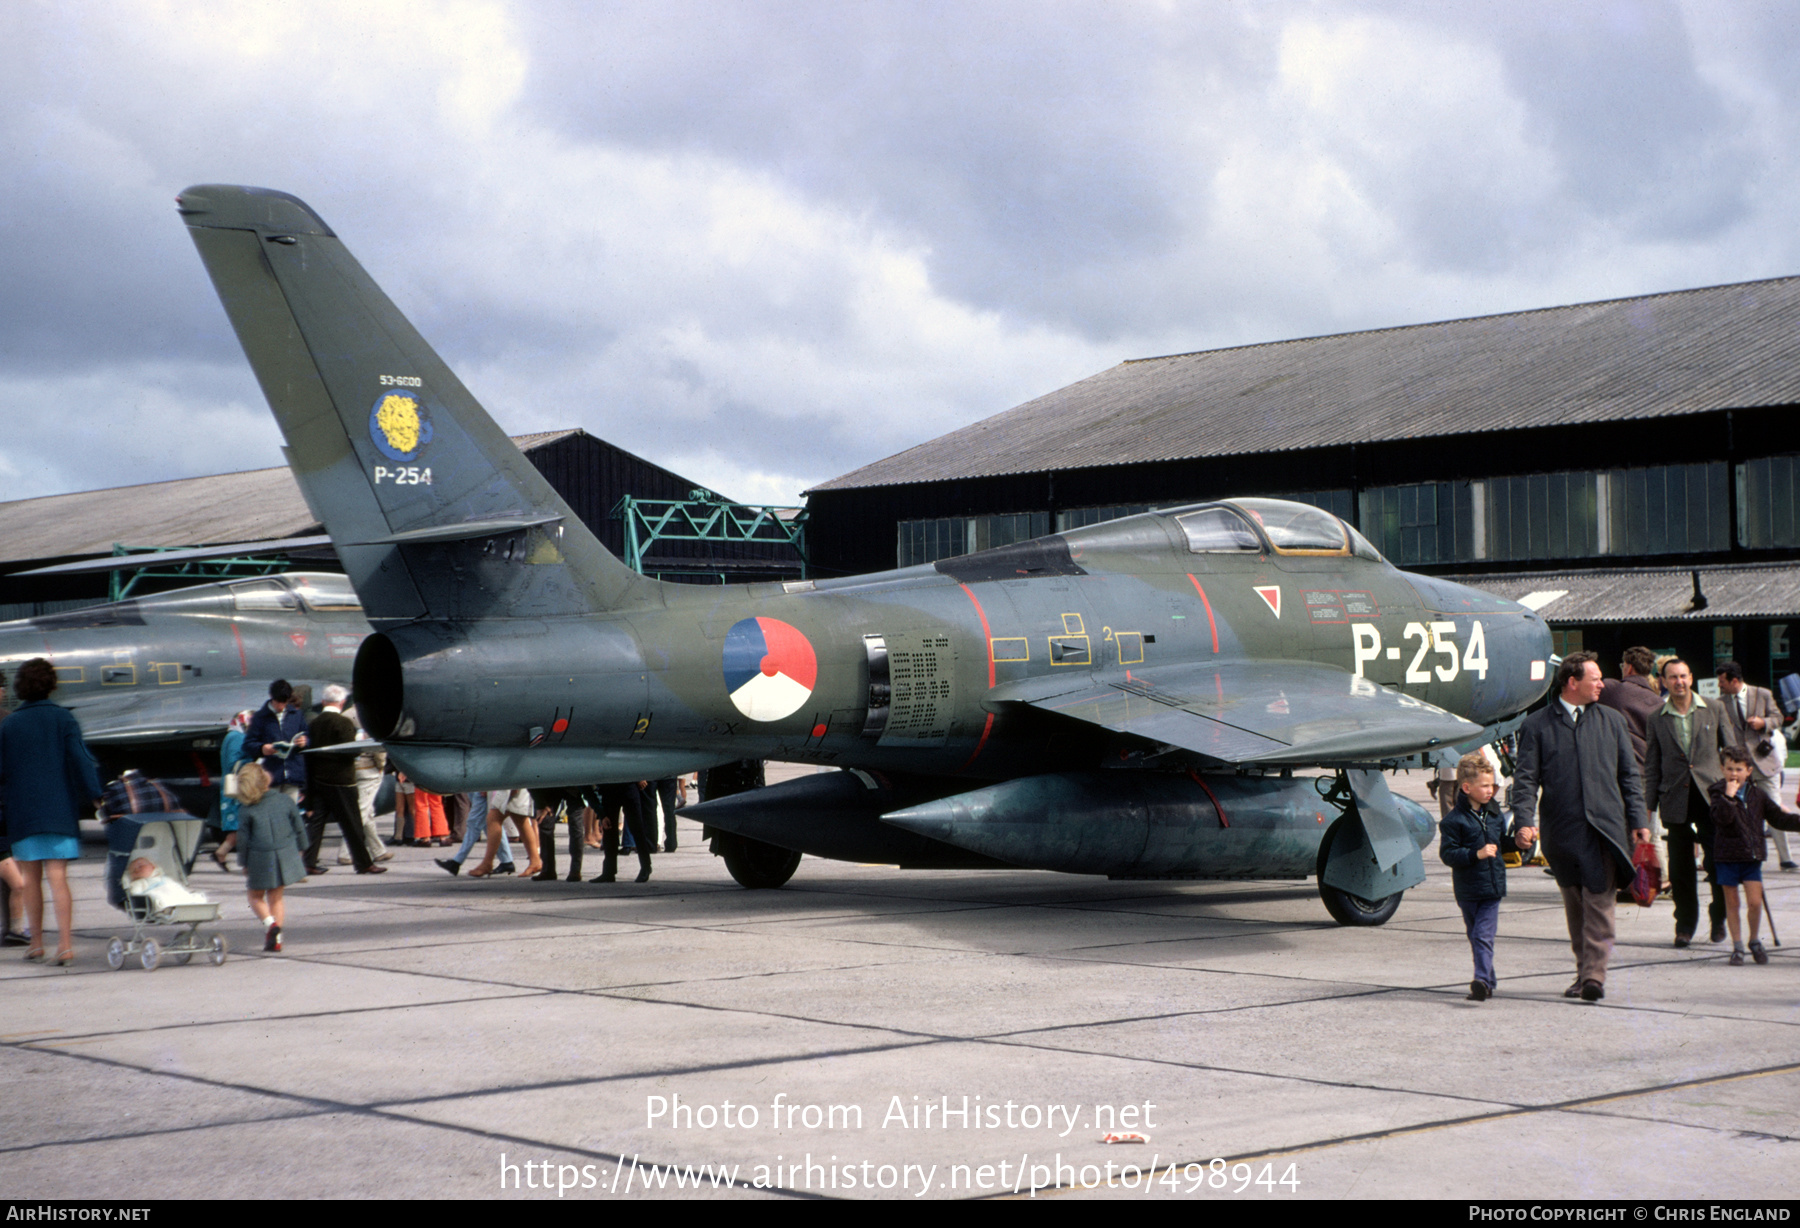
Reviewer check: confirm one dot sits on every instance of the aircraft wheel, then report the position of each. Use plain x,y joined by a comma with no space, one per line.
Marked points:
182,957
115,954
1347,909
217,954
151,955
754,864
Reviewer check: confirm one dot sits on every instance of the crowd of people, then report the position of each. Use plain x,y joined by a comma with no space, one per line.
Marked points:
276,802
1604,774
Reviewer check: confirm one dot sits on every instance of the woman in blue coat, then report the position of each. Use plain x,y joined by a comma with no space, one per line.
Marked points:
46,774
231,754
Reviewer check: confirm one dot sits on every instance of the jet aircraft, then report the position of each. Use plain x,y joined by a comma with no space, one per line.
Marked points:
155,680
1129,698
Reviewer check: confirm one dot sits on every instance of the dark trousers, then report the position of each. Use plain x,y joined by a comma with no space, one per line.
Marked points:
559,801
456,813
1481,920
624,801
336,804
665,794
1683,880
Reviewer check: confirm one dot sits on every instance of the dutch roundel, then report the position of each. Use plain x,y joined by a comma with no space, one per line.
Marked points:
770,668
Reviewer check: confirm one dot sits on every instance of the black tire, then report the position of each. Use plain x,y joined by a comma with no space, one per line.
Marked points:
1347,909
753,864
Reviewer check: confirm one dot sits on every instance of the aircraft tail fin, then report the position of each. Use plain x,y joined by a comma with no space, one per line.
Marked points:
433,510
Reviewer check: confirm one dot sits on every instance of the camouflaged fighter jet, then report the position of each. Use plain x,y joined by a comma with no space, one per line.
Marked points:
1126,699
155,680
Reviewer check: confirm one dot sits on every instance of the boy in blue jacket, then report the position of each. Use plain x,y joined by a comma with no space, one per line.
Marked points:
1469,841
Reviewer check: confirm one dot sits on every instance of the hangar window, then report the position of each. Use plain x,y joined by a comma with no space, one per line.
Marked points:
1217,528
1768,513
262,595
1433,522
1081,517
1669,509
1664,509
926,541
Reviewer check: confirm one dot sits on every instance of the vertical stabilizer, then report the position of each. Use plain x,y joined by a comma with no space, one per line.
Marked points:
434,511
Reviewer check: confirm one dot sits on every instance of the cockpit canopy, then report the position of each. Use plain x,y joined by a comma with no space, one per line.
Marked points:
1251,525
320,591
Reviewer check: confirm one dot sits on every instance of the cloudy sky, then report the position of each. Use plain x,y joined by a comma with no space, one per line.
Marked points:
764,244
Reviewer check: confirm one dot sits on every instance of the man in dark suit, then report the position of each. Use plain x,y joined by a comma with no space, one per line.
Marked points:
1579,754
333,787
1681,762
1755,720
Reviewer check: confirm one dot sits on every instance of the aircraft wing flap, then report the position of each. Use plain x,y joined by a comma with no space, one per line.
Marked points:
1286,713
151,715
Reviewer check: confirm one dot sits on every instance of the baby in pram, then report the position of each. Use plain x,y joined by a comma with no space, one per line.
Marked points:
145,880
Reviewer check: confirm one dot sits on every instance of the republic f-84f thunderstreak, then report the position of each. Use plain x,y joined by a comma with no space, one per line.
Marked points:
1127,699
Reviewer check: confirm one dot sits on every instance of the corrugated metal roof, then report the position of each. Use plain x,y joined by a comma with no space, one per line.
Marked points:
1689,351
255,505
1651,594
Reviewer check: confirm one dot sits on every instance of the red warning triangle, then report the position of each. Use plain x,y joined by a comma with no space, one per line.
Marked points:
1271,593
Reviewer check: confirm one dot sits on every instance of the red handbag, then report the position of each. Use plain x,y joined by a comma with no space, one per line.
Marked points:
1648,879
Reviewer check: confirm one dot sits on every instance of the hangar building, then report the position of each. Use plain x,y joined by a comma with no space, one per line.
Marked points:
1631,467
262,505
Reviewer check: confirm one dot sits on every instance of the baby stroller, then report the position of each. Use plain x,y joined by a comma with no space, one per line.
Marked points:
169,843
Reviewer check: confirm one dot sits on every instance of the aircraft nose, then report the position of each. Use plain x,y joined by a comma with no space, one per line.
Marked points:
1524,656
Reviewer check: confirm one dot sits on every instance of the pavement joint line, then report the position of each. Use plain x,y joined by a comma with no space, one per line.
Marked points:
1564,1106
1375,991
1445,987
625,993
631,985
1654,1119
1577,1106
1277,1075
189,1024
324,1107
163,1132
391,1106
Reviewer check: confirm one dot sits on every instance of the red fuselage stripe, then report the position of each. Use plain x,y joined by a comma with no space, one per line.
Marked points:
243,662
985,730
987,636
1210,624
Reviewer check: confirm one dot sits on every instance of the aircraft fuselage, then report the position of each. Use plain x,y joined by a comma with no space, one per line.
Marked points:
647,691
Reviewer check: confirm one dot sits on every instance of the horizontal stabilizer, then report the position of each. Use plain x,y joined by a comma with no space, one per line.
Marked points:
473,530
1275,713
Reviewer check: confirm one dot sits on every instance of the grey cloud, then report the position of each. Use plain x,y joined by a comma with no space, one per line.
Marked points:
1021,140
1064,172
